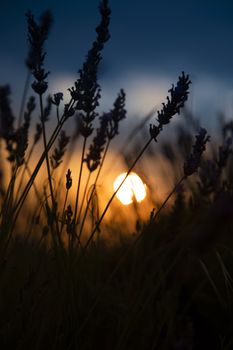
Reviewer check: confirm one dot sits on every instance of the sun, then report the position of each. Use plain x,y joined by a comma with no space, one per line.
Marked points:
132,189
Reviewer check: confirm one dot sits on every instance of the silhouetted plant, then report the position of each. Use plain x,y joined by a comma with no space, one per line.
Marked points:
109,125
194,159
37,34
59,152
150,289
178,96
86,92
7,118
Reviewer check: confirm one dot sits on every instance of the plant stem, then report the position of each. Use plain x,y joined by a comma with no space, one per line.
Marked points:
114,194
58,118
169,196
49,173
35,187
27,188
63,212
79,180
125,254
7,202
84,196
23,100
94,186
23,172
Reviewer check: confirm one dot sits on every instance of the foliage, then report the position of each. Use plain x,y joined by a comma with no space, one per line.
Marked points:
166,286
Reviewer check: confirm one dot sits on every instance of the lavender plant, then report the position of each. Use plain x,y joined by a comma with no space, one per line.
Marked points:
85,96
176,101
86,92
150,288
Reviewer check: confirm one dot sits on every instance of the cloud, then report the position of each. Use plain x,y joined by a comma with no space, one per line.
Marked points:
208,95
143,92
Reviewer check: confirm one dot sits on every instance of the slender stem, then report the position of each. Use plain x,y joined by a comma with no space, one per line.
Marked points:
125,254
79,180
24,194
63,212
23,101
93,188
49,172
24,170
67,160
65,164
102,162
31,223
168,197
79,217
7,211
2,190
114,194
34,185
26,190
84,196
58,118
8,195
138,128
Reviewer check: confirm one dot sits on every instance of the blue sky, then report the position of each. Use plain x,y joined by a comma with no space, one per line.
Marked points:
152,41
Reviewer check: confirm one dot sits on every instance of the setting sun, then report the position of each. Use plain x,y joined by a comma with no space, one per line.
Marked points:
133,187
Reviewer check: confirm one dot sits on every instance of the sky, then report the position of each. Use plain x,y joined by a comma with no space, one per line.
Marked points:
152,41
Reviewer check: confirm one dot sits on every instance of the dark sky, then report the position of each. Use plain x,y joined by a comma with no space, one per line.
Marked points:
152,41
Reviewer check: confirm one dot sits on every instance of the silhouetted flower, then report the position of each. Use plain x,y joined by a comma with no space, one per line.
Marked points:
59,151
22,132
116,115
93,157
47,109
109,123
68,111
31,105
175,102
211,171
68,179
6,114
38,133
40,87
57,98
209,177
194,159
154,131
86,91
21,144
37,34
18,143
223,153
69,221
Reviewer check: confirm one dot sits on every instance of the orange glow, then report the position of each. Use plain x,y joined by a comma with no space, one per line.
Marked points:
132,188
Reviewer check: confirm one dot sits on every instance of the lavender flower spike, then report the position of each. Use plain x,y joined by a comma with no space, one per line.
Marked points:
194,160
178,96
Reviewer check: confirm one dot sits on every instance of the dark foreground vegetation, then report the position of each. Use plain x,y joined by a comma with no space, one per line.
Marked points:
62,286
